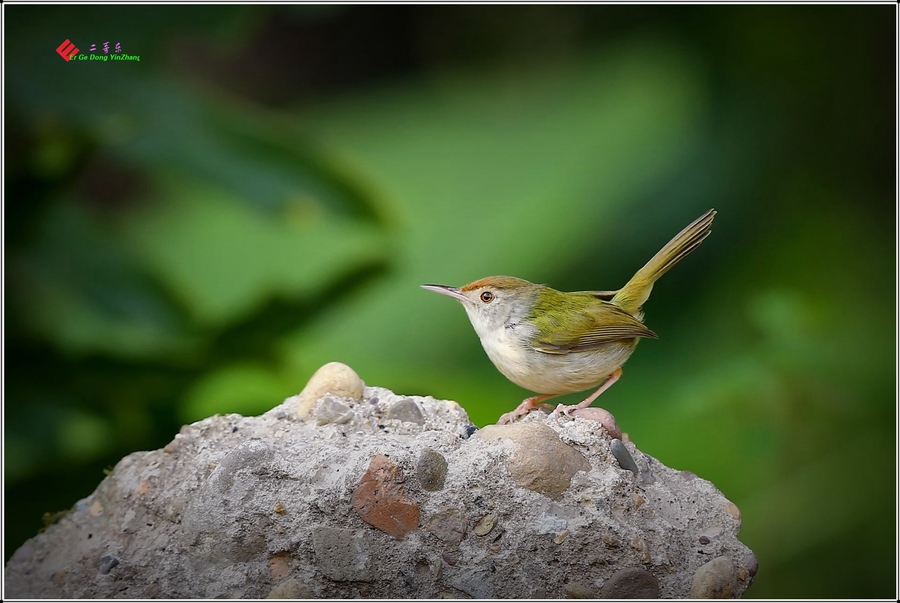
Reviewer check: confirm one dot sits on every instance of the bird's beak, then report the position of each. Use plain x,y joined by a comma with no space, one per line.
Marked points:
445,290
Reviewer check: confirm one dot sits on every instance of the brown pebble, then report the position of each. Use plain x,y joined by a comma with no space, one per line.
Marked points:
278,566
381,500
449,525
602,416
279,508
542,462
291,589
715,580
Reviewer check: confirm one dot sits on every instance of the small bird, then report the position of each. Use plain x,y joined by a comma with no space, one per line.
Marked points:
555,342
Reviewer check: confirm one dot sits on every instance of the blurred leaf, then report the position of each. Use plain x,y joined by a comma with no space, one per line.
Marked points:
84,436
92,296
223,259
247,389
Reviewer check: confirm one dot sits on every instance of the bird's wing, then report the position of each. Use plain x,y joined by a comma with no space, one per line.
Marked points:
597,325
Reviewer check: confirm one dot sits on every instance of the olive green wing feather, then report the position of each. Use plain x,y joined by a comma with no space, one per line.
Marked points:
597,325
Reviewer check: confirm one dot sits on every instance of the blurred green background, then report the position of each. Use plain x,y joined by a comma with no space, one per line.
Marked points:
264,191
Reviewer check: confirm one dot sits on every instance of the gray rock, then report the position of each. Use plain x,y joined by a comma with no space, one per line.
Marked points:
431,470
406,410
750,563
283,507
631,583
107,562
623,457
330,410
475,582
344,555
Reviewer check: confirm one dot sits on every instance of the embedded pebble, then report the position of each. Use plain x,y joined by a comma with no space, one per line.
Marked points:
290,589
23,554
330,410
468,430
639,544
406,410
541,461
107,563
631,583
715,580
710,533
344,555
381,500
574,590
333,378
278,566
431,470
602,416
733,510
485,525
449,525
623,456
750,564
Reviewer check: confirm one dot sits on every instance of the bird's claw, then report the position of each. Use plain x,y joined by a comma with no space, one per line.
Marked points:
562,409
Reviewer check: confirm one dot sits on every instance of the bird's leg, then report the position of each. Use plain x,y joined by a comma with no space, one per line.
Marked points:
562,408
527,405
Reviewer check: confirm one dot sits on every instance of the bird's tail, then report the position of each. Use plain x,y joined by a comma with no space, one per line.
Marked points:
633,295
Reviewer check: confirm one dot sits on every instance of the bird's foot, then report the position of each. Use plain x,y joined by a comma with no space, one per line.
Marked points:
527,405
566,409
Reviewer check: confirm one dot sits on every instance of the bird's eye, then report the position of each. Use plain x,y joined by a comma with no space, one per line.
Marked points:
487,297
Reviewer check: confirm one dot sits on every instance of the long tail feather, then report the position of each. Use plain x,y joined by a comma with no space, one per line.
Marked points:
633,295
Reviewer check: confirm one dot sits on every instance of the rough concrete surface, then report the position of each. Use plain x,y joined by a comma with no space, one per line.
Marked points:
379,495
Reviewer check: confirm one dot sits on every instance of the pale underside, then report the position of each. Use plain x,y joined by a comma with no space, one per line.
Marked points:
545,373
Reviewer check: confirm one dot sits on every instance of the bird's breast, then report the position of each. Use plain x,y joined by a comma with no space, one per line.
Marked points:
511,352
